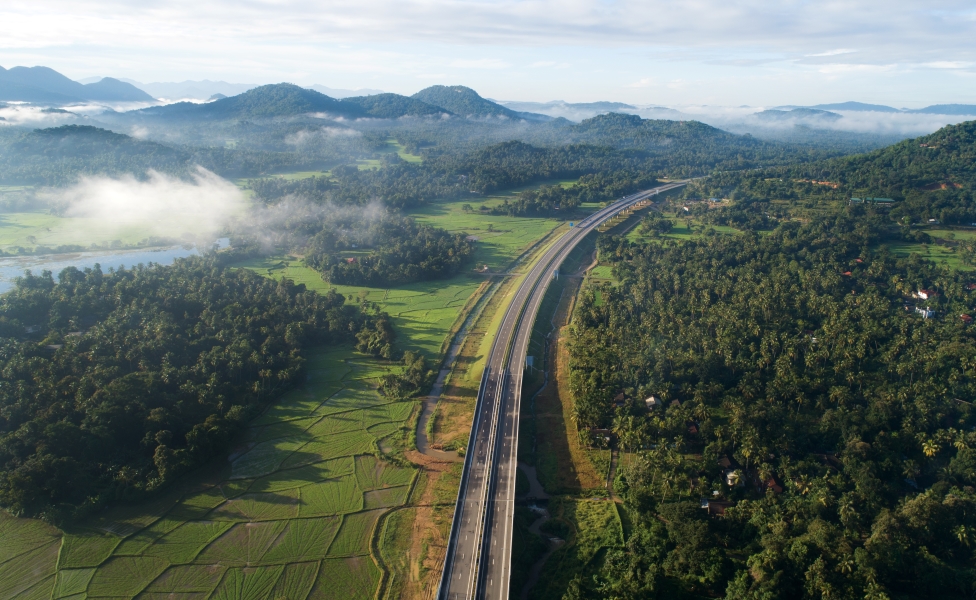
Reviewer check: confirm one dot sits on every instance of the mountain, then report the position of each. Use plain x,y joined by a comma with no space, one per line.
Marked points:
947,109
854,107
466,102
797,114
45,85
266,101
392,106
114,90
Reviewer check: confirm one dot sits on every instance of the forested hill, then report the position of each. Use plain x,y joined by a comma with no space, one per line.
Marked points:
393,106
267,101
930,177
945,159
683,148
60,155
287,100
468,103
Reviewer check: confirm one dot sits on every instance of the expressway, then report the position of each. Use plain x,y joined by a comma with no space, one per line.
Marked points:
479,551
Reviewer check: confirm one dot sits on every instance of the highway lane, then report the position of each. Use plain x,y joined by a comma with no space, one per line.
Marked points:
478,560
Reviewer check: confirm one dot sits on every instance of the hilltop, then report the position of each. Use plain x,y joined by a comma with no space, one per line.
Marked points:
392,106
466,102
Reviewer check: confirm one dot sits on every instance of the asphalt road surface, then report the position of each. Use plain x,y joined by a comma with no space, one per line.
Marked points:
479,553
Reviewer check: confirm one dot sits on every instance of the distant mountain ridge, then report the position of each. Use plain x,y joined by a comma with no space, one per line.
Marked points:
797,114
935,109
45,85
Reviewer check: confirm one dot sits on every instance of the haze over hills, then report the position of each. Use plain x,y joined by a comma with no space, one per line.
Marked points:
935,109
797,113
574,111
44,85
206,89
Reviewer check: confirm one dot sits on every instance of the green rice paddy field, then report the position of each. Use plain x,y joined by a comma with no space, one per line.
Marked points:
52,231
291,514
424,313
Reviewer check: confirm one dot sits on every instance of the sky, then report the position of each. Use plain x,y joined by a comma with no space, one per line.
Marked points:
688,52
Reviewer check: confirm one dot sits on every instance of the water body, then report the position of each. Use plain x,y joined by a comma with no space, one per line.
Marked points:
12,267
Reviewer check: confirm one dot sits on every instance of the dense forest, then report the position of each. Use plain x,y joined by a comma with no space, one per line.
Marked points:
812,389
930,177
114,384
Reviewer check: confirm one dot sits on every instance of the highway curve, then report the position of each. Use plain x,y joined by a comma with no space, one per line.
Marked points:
479,552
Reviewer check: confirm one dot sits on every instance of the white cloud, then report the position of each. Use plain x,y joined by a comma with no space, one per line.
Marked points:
833,52
481,63
160,205
948,64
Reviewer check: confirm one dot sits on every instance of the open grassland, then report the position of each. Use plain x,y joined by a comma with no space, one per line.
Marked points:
292,513
956,235
500,239
425,313
30,229
685,228
934,252
394,146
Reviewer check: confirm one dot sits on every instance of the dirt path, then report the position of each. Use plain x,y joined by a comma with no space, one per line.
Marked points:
612,472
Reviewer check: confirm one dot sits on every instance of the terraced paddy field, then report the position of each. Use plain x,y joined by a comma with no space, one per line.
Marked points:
292,513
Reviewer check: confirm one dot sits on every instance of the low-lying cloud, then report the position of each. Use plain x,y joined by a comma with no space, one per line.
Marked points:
159,205
323,133
35,116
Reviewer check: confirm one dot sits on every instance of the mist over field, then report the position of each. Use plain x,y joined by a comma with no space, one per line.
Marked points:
160,204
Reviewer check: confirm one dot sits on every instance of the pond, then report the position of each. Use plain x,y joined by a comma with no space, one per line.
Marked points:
12,267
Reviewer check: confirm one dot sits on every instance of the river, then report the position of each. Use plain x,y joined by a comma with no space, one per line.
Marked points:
12,267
